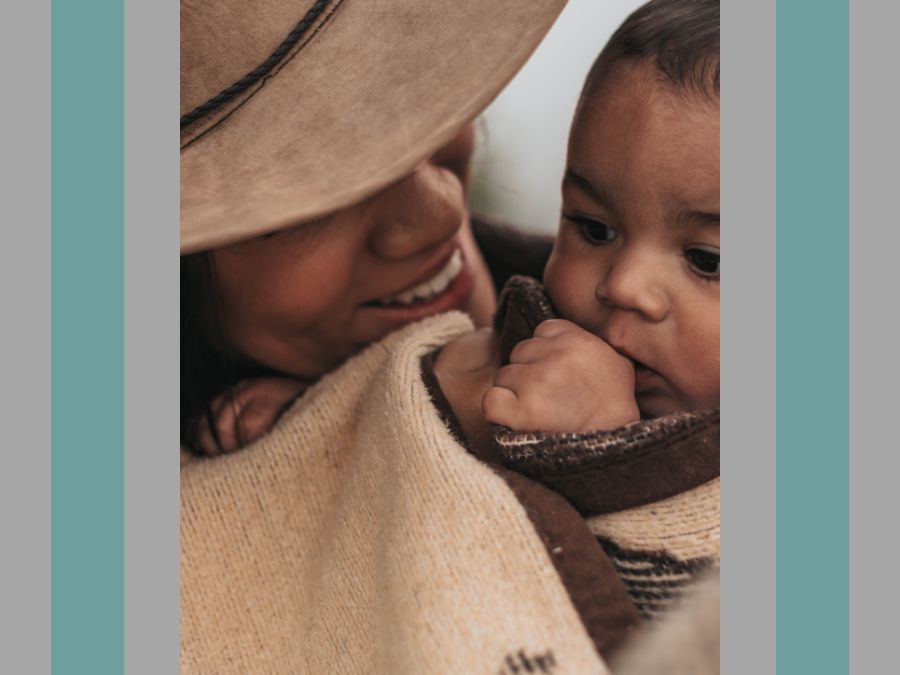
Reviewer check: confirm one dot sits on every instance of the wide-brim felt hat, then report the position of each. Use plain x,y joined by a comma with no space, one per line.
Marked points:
292,110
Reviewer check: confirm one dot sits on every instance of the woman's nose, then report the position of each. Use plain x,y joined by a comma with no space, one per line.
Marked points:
418,213
633,282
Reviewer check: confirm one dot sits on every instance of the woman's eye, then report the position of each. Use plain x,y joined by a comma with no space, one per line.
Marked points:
593,231
306,225
704,261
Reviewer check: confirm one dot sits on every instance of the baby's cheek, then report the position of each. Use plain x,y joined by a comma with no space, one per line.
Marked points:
568,291
704,367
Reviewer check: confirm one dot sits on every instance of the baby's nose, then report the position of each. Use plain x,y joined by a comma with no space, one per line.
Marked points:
633,283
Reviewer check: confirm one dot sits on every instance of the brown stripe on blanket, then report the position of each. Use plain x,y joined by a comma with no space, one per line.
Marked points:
598,594
655,580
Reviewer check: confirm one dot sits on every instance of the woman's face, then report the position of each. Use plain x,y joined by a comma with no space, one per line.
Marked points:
301,301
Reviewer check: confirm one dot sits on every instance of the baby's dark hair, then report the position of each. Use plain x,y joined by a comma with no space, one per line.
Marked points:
681,35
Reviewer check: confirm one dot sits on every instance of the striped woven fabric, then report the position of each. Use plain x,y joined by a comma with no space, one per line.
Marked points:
661,549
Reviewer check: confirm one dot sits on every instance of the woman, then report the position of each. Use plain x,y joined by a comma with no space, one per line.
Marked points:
311,204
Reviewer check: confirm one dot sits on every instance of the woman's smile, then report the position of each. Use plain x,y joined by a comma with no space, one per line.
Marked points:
449,287
430,283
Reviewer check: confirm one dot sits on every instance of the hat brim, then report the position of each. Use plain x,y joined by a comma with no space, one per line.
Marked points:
378,87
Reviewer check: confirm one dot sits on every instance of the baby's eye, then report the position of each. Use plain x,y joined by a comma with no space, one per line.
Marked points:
595,232
705,261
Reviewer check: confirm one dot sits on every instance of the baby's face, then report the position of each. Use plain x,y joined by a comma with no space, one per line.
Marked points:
636,260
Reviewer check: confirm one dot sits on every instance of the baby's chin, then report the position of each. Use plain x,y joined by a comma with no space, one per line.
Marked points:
656,405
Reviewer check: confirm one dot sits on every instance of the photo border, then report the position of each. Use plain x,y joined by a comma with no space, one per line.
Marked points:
25,353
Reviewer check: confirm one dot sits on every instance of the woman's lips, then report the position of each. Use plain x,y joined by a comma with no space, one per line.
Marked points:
455,296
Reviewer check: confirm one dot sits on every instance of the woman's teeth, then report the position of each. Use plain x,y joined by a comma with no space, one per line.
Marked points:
428,289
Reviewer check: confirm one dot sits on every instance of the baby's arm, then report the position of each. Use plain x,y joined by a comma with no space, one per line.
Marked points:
562,379
247,412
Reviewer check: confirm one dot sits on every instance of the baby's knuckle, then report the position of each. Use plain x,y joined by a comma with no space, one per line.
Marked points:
521,350
550,326
498,407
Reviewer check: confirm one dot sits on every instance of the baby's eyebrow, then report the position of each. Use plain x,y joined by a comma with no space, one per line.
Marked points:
698,218
596,192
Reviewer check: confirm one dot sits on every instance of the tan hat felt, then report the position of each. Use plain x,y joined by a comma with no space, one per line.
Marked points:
291,110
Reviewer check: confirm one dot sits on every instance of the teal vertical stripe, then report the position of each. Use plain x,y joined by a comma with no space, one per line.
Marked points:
812,101
86,337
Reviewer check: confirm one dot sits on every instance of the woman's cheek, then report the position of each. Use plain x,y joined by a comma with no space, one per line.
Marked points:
483,303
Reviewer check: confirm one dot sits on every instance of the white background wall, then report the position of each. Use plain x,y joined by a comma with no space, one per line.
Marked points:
520,155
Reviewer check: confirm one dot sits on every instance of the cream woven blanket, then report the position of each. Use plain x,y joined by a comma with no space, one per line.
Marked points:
359,537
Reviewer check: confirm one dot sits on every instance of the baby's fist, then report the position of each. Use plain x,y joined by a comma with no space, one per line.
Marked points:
562,379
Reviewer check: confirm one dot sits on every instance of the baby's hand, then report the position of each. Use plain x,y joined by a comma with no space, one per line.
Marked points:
563,379
247,412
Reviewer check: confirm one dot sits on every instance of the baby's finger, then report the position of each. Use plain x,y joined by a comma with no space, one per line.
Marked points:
220,403
228,425
205,440
553,327
219,434
512,376
529,351
500,406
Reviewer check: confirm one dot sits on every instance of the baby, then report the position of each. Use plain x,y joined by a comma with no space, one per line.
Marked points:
634,271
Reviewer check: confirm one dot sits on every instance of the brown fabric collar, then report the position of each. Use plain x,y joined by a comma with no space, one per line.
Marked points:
522,305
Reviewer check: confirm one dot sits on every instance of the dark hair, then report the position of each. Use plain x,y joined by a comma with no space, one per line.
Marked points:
682,35
207,368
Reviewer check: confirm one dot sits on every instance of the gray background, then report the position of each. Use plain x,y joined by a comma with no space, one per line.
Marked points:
25,350
874,362
748,337
151,337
